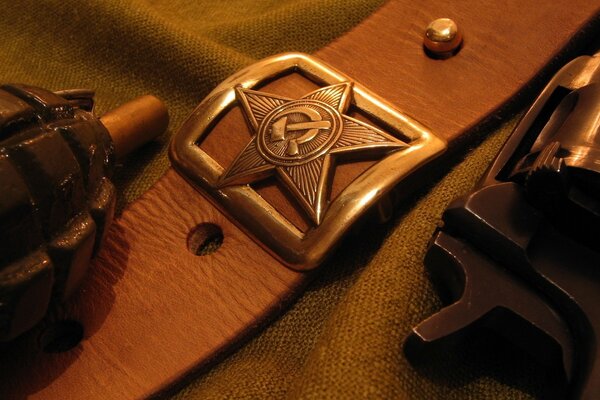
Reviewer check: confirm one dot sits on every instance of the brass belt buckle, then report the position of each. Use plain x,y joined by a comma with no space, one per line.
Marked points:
299,140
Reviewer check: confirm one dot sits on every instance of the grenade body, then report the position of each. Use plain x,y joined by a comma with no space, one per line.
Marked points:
56,199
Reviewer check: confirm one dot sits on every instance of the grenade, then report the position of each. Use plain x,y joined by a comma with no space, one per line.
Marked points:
56,197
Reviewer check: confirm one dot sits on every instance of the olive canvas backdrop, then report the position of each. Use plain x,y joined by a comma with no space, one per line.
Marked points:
343,337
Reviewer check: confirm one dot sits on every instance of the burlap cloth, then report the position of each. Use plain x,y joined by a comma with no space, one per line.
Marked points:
343,338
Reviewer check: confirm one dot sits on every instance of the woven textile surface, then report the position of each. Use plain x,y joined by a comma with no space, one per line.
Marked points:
343,337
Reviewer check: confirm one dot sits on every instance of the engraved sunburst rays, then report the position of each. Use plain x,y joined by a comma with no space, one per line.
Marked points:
296,140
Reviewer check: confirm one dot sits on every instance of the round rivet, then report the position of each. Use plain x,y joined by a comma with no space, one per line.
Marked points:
442,38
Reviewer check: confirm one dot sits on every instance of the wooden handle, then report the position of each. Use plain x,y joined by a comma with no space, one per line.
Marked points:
135,123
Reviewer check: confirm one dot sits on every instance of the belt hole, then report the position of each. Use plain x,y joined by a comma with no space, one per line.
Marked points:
204,239
61,336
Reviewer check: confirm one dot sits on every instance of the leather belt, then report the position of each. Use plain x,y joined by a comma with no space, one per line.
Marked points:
300,237
145,330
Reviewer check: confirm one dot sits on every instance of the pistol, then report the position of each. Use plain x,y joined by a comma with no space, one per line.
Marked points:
520,254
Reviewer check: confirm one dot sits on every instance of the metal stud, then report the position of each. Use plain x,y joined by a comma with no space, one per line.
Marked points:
442,38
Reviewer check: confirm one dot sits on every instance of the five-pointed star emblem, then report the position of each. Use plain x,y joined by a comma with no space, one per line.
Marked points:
296,139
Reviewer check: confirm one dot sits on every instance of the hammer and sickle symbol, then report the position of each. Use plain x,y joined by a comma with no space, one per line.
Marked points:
281,128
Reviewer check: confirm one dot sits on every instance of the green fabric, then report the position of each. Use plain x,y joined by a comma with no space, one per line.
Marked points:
343,338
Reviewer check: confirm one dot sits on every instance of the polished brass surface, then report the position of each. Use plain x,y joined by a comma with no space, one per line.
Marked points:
442,37
291,141
299,153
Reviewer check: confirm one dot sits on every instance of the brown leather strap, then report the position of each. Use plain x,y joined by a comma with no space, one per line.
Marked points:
153,312
506,45
151,309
